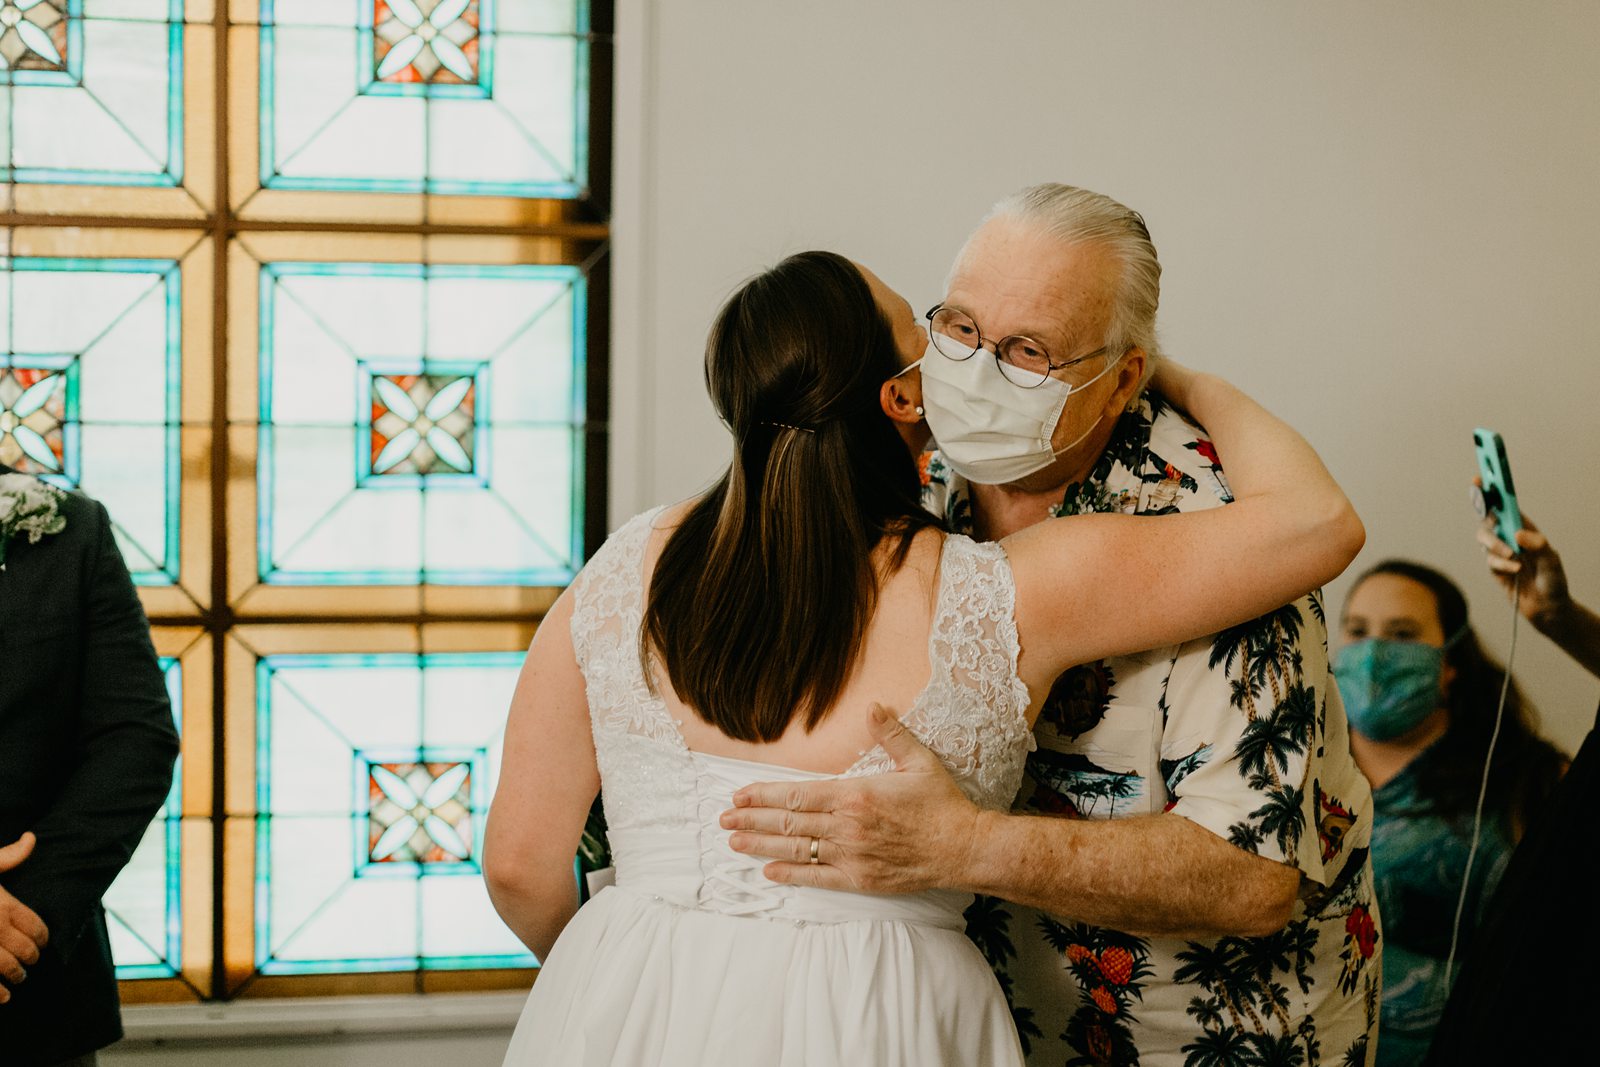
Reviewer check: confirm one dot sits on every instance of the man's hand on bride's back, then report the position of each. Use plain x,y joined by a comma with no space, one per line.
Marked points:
903,832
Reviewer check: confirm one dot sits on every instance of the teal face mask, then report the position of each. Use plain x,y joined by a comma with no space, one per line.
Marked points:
1389,687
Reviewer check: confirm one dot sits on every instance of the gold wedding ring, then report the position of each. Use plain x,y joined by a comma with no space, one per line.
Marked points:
816,843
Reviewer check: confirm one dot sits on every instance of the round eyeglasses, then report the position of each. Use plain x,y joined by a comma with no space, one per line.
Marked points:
1024,361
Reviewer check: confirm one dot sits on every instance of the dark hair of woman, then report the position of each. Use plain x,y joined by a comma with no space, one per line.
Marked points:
1526,767
761,598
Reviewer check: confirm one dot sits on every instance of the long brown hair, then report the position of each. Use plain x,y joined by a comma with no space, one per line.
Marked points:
761,597
1526,767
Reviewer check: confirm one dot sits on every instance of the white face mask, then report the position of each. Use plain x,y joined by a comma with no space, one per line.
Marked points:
988,429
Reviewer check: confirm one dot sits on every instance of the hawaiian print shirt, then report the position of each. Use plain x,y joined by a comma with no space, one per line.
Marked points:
1419,857
1242,732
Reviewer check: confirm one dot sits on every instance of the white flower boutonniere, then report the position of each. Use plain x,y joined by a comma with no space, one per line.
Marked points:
28,507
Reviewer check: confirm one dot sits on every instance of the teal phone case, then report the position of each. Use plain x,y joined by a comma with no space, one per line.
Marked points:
1499,496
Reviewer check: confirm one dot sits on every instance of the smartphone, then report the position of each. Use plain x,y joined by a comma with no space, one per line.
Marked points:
1497,497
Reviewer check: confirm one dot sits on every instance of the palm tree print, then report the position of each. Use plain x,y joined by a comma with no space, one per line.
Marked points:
1082,781
1283,816
1175,771
1116,787
1281,1051
1266,747
1245,1015
1264,651
1219,970
1219,1048
1246,836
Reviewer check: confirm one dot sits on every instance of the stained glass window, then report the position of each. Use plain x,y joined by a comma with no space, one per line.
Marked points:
113,75
158,911
89,383
453,397
445,96
142,912
373,778
311,295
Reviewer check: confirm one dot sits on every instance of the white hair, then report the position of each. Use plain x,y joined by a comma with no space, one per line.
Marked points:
1078,216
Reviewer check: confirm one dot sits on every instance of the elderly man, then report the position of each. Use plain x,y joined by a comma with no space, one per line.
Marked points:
1185,879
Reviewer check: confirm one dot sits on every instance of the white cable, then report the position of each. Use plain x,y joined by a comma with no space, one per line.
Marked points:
1483,788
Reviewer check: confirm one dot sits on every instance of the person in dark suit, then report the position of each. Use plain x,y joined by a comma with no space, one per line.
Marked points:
87,745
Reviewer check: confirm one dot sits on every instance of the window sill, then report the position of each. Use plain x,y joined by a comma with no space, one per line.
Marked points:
435,1013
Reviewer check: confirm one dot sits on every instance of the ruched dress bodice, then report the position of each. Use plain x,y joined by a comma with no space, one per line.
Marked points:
693,867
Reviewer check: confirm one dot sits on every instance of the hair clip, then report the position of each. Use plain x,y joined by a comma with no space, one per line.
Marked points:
786,426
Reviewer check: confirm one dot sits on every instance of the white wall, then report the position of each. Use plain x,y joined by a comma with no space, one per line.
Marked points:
1380,218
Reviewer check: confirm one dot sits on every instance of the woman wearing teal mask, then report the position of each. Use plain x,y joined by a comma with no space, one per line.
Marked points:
1421,695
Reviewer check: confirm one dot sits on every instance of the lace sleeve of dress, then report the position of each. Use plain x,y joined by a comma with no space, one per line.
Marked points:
607,614
607,594
974,714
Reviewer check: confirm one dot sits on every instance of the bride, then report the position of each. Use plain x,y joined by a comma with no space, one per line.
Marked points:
750,633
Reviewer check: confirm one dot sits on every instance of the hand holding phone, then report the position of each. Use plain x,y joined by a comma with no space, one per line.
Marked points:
1495,496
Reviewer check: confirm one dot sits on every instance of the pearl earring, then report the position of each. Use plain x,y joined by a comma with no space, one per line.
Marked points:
920,412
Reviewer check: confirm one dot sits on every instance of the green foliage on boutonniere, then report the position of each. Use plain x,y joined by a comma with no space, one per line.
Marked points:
28,508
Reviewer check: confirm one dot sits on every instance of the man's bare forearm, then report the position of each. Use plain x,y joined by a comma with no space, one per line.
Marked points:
1160,875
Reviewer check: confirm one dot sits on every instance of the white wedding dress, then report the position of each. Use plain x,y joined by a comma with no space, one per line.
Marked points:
693,959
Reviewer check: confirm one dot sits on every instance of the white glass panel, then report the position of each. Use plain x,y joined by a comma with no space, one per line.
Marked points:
368,530
467,706
372,707
312,765
138,900
314,375
477,317
41,113
533,474
468,531
313,469
311,861
125,70
532,377
369,918
537,16
459,920
319,12
148,10
123,375
65,310
372,317
536,79
119,465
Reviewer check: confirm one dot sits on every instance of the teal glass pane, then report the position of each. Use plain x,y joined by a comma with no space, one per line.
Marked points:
472,97
421,424
143,913
89,390
91,91
374,774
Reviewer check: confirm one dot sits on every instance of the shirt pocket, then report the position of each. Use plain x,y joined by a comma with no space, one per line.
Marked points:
1108,772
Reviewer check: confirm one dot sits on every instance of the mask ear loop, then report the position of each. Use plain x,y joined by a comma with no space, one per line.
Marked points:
1483,787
